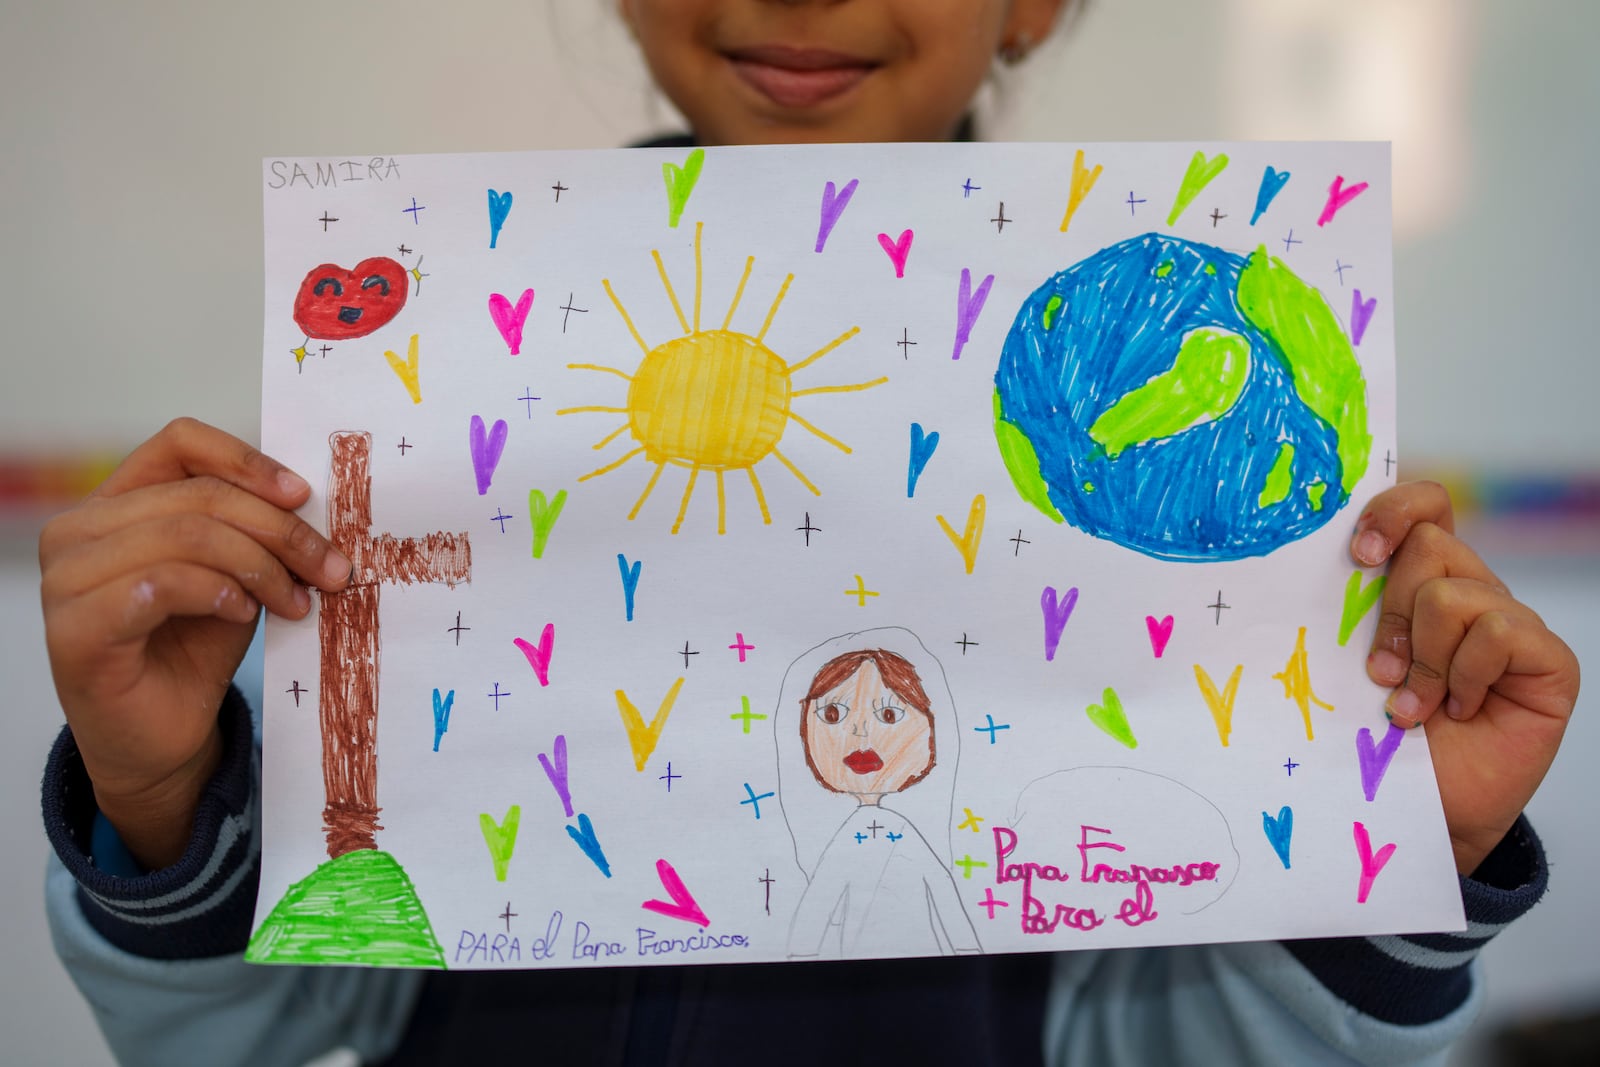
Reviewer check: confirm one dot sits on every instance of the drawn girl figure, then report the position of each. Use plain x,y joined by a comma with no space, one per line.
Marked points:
867,743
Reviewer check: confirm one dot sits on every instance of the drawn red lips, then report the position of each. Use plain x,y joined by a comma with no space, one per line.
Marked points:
864,761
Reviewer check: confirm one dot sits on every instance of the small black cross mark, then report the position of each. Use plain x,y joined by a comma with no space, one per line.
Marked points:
559,188
1219,607
296,690
905,342
567,310
456,629
1020,541
507,915
1216,217
964,643
1000,219
686,653
325,220
809,529
402,446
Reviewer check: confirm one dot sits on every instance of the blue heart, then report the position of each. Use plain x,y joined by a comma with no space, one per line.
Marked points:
922,446
499,208
1272,183
1279,831
583,834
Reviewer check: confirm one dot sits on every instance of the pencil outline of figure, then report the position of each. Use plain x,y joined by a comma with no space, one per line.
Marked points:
868,743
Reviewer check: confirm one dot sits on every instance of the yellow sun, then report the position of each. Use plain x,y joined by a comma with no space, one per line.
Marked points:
712,400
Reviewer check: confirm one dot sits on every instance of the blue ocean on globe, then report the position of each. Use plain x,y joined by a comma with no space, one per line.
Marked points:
1187,402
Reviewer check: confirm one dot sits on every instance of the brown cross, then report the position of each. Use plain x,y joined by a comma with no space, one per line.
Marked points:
349,632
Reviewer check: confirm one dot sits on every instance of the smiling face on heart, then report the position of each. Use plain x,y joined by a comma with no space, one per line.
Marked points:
336,304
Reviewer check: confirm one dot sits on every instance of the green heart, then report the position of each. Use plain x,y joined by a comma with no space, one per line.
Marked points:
1112,719
1357,602
680,183
501,838
543,517
1196,178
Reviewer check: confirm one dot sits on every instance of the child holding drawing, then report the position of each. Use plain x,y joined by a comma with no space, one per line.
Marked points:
151,589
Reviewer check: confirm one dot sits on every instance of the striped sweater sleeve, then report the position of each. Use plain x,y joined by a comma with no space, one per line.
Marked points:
199,907
1415,979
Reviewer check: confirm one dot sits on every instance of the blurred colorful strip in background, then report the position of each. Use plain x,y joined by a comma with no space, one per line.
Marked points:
1499,514
35,487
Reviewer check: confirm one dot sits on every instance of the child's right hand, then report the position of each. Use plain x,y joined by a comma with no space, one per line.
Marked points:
151,588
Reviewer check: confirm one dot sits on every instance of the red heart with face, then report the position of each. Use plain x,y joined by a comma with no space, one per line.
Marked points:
336,304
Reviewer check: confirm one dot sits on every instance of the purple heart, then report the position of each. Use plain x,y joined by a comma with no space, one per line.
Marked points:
486,449
1375,758
1360,315
557,771
1057,610
834,201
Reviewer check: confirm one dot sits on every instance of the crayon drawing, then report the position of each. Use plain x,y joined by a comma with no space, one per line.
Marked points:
1183,401
360,904
879,737
712,400
1073,492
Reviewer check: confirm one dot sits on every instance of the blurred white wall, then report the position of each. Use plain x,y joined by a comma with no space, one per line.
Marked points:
130,255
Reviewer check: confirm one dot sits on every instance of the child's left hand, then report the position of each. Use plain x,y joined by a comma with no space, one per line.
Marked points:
1490,682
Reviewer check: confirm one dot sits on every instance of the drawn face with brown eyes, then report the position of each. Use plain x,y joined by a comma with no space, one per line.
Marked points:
336,304
867,725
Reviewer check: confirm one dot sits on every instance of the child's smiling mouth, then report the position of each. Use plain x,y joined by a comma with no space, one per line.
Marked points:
798,78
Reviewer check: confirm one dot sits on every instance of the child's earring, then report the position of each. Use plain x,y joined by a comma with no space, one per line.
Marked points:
1016,49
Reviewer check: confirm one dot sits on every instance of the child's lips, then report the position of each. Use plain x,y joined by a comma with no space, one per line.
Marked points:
798,78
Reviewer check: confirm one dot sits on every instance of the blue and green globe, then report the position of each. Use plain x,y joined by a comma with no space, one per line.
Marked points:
1185,401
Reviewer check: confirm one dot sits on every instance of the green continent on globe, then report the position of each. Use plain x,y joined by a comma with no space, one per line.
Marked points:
1206,378
1326,375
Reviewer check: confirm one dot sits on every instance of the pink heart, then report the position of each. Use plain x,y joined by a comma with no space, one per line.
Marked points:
510,320
539,655
898,251
1160,633
683,905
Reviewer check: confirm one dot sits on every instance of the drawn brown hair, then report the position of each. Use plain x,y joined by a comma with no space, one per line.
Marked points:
899,677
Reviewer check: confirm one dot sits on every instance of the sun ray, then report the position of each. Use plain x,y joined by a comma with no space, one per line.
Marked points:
666,283
722,508
688,491
856,388
625,318
612,436
825,349
739,292
761,498
834,441
796,472
573,411
651,484
771,314
624,375
697,228
609,467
